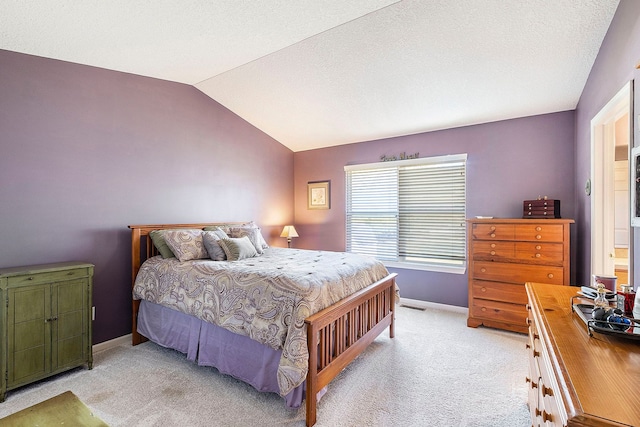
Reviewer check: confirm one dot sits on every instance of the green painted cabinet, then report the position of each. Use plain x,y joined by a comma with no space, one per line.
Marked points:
45,321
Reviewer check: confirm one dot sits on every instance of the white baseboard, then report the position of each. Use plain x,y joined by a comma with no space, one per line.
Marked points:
427,304
125,339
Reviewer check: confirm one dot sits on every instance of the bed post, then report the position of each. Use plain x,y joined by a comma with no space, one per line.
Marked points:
136,338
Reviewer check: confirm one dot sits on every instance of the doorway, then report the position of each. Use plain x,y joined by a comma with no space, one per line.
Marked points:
610,197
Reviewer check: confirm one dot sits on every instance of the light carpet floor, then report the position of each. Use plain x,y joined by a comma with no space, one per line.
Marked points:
435,372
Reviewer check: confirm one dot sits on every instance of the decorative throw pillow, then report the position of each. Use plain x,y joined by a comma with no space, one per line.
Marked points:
238,248
261,240
157,237
186,244
253,233
222,226
211,239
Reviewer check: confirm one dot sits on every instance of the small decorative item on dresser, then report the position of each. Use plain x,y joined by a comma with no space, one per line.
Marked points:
541,208
626,296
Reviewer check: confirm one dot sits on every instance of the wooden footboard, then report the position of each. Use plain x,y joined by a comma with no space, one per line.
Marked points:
338,334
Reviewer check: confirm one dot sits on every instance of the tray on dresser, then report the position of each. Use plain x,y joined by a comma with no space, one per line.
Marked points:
602,326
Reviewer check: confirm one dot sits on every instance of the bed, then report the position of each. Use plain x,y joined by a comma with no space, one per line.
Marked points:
300,336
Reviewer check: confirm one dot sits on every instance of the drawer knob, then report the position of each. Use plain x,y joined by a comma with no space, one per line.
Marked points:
538,228
493,252
550,275
483,309
538,237
493,234
493,245
547,391
537,255
536,336
483,270
538,247
527,379
493,228
536,354
30,278
527,346
483,289
544,414
534,385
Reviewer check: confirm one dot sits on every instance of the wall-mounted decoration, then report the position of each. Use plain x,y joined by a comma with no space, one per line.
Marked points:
401,156
635,187
319,195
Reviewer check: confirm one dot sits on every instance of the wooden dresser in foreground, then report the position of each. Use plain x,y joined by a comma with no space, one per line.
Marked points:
503,255
574,379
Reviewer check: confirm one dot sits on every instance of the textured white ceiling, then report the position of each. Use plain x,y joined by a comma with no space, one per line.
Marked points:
314,73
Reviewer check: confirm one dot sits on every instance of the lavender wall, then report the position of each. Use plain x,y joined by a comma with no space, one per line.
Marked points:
508,162
613,68
86,152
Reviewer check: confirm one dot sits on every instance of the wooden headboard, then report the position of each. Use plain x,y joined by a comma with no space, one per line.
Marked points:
142,248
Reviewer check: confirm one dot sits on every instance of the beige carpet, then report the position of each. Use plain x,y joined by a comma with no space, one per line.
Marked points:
436,372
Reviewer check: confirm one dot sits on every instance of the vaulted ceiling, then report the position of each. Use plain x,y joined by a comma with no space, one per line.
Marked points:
318,73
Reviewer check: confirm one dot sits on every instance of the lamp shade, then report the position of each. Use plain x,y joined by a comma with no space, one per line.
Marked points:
289,231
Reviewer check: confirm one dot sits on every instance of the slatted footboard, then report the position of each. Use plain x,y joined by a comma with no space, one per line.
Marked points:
338,334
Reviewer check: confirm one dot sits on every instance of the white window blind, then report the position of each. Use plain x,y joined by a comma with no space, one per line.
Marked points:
409,211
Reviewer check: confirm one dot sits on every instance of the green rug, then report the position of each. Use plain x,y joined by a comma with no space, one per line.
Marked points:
64,409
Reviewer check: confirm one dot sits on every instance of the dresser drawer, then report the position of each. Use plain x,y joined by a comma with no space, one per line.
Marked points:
493,231
494,251
539,232
47,277
517,273
499,311
550,253
496,291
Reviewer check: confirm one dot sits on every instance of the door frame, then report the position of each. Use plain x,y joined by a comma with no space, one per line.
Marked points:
602,185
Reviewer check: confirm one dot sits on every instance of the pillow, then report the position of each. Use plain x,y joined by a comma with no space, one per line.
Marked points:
226,227
157,237
186,244
252,233
223,227
238,248
212,246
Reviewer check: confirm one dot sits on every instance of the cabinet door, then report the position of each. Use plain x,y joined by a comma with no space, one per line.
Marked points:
29,334
69,334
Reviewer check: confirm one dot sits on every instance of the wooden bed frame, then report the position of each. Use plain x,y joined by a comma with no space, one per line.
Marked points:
335,335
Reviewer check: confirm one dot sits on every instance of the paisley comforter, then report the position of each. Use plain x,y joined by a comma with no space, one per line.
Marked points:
266,298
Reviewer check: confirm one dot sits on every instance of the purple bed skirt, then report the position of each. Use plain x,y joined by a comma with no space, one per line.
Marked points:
211,345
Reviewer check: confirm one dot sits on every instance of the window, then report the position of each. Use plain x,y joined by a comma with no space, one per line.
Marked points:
409,213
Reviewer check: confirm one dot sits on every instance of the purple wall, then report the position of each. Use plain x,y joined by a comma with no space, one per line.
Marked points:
613,68
508,162
87,151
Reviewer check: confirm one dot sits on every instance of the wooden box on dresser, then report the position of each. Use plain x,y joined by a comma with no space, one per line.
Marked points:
45,321
504,254
574,379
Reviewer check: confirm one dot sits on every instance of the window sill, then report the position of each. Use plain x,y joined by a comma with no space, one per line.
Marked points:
425,267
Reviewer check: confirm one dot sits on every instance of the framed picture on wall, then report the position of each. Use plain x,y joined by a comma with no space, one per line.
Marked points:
319,196
635,187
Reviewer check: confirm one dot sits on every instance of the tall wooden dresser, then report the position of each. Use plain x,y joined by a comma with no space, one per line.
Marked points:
503,254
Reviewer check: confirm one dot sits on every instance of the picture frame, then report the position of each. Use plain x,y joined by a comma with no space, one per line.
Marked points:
319,194
634,187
